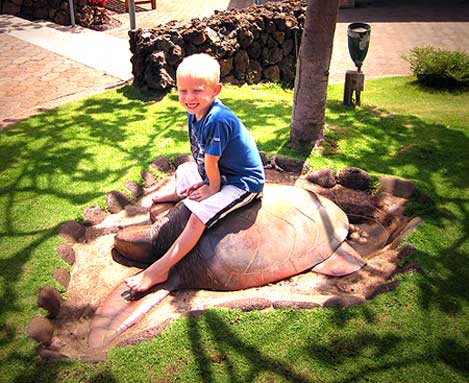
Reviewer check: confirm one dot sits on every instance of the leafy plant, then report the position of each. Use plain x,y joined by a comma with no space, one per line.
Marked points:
92,16
439,68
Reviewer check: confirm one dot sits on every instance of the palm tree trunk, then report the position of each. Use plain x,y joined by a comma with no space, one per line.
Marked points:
312,72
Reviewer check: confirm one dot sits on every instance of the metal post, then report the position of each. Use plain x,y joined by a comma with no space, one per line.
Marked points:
72,12
133,23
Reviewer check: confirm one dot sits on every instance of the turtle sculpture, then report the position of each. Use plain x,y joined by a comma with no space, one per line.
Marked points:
287,232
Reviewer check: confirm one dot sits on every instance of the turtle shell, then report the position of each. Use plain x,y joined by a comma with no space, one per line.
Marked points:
287,232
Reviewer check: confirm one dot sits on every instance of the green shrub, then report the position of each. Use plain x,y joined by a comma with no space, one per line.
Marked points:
439,68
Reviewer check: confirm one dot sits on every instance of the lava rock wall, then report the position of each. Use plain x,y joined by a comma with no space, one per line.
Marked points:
55,10
255,44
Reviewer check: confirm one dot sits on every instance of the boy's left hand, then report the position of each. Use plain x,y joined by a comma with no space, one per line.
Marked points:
201,193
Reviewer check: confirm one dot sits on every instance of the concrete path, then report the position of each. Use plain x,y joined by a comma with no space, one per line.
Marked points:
36,73
43,65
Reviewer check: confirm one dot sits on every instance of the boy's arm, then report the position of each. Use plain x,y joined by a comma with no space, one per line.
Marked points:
214,179
213,173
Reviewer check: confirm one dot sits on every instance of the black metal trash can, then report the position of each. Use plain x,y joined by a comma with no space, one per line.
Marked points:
358,42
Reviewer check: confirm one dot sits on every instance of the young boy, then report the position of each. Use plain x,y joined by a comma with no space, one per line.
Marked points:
227,172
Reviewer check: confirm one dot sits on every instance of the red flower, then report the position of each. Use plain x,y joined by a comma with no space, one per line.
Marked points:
98,3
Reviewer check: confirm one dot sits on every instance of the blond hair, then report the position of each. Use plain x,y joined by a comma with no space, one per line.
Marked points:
200,66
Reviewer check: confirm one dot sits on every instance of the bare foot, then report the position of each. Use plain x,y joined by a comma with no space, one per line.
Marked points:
168,197
146,279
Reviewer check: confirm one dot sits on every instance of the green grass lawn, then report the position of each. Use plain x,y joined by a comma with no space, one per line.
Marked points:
57,163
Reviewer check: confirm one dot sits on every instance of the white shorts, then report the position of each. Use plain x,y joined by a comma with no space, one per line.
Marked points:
215,207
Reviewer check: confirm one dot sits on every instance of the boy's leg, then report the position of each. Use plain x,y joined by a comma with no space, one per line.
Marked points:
217,206
158,271
186,176
167,197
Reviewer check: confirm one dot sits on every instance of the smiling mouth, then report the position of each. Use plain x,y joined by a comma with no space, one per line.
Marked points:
192,105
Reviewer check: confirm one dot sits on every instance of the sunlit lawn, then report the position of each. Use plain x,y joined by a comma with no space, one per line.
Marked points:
57,163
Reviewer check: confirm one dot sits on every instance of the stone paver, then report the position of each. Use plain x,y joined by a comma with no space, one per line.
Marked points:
168,10
33,78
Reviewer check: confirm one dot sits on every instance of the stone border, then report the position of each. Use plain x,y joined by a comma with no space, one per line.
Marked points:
379,270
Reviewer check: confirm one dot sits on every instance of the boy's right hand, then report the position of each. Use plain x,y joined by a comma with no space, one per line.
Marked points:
187,192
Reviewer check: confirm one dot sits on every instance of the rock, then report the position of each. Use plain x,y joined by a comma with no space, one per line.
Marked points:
41,330
271,55
246,38
11,8
412,267
48,354
116,201
72,231
134,188
287,70
175,56
264,159
323,177
62,276
211,36
132,210
384,288
359,205
179,160
67,253
288,164
163,43
241,62
272,73
397,186
161,164
344,301
93,215
226,65
255,50
61,17
287,47
194,35
148,178
279,37
40,13
156,73
406,251
49,299
247,304
254,74
294,305
354,178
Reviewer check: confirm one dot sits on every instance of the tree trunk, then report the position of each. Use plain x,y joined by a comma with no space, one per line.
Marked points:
312,72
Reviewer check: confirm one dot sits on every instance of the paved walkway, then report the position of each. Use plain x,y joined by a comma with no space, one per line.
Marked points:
43,65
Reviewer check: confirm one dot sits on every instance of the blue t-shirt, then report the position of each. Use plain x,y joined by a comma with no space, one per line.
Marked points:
221,133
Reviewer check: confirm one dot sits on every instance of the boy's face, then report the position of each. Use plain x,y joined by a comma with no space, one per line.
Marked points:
196,95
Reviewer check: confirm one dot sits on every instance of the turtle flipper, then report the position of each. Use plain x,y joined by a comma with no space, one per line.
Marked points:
121,309
343,261
134,244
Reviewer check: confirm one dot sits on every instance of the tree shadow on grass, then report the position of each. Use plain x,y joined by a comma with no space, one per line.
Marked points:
400,145
229,344
435,157
49,172
325,352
